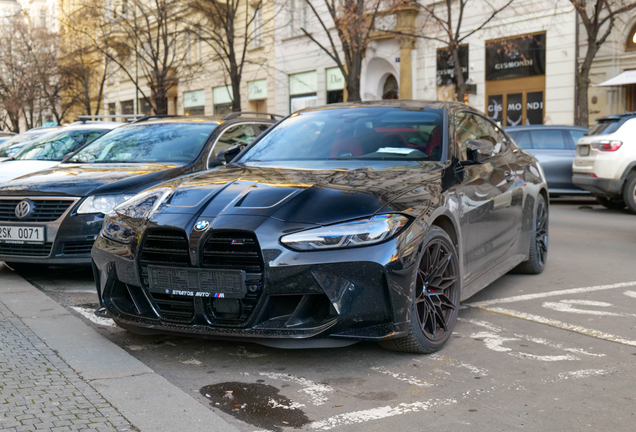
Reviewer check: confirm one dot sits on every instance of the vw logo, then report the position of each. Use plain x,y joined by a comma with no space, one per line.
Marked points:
202,225
23,209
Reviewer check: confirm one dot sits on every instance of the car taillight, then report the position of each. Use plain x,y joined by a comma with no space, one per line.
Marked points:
607,145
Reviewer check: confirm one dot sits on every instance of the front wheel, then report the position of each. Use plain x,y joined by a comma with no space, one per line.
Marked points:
435,299
629,193
538,253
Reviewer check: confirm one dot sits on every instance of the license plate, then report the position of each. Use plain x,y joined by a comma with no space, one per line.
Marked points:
21,235
584,150
197,282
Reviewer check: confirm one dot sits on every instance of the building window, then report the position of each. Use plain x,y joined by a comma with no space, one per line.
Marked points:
128,107
222,98
43,18
257,26
335,85
144,107
194,103
302,90
298,16
112,108
257,95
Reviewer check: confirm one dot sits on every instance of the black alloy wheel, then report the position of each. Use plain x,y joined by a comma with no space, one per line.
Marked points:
629,193
538,253
435,298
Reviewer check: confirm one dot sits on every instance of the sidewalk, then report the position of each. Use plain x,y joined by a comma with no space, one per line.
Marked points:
58,374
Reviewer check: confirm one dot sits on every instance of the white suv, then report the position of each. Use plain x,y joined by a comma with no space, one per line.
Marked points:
605,161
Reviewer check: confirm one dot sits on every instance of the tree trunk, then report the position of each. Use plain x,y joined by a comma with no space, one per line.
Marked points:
581,114
460,84
352,78
236,94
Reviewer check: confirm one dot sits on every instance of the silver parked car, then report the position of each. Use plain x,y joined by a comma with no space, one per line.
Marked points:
554,147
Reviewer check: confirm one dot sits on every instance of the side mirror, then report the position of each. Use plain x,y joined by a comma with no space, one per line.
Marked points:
479,151
229,154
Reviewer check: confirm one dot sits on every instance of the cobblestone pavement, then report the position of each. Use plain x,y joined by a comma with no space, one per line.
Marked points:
40,392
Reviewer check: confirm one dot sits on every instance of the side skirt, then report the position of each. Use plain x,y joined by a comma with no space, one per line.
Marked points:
472,288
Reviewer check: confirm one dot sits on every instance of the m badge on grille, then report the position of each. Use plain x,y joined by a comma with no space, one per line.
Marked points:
23,209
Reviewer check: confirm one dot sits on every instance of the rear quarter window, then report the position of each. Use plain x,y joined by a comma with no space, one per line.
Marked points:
548,139
522,139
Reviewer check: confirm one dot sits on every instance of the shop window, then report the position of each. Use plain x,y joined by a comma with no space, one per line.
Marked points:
222,98
112,108
257,95
144,107
194,103
335,85
302,90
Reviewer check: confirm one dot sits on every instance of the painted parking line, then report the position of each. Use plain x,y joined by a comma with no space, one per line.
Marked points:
551,294
90,315
559,324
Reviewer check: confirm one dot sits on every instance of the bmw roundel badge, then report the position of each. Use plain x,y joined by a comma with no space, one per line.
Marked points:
202,225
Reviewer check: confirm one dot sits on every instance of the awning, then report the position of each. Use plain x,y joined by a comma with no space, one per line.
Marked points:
627,77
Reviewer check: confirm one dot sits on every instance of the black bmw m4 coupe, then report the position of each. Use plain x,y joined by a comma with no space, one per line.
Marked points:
366,221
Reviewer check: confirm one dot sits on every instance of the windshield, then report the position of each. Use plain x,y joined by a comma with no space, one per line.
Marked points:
11,146
147,143
379,133
56,145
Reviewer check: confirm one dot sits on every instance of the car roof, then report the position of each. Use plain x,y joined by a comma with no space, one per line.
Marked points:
92,125
396,103
230,118
615,117
538,127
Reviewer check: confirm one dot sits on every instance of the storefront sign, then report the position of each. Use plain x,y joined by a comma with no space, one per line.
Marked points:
445,65
194,98
303,83
514,109
222,95
495,107
257,90
534,108
518,57
335,79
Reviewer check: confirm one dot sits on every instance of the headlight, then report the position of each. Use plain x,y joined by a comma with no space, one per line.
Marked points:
362,232
116,229
144,204
101,203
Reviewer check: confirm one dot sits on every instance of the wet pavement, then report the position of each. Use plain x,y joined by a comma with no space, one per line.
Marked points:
548,352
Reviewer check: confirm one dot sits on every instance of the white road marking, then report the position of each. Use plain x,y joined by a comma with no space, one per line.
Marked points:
484,324
630,294
315,391
559,324
581,374
403,377
568,306
552,294
451,362
358,417
89,315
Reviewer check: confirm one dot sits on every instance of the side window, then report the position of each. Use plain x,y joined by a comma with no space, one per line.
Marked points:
522,139
469,126
239,134
548,139
261,127
575,135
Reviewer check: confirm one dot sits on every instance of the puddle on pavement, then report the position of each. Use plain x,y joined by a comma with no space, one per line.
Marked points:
258,404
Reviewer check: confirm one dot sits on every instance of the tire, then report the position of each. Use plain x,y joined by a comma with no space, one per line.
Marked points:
436,294
629,193
538,253
611,203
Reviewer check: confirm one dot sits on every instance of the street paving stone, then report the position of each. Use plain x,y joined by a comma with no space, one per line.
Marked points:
40,392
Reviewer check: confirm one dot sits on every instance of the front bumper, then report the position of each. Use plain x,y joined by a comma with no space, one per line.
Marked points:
598,186
70,243
358,294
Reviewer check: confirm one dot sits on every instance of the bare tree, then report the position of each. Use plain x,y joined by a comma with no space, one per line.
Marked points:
354,22
230,28
146,40
598,18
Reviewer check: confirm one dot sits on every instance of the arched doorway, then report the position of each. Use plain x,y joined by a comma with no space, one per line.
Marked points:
390,89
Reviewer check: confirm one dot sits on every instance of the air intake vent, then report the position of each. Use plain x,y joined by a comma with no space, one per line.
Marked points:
26,250
167,248
78,248
43,210
237,250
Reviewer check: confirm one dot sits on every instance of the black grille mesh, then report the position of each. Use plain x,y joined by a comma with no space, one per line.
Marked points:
26,250
43,210
78,248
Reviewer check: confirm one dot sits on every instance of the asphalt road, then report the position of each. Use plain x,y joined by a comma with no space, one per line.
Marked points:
548,352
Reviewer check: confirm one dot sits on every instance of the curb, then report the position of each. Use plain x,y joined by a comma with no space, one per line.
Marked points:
146,399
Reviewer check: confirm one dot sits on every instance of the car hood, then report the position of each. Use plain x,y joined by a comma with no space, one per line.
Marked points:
16,168
88,179
319,195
